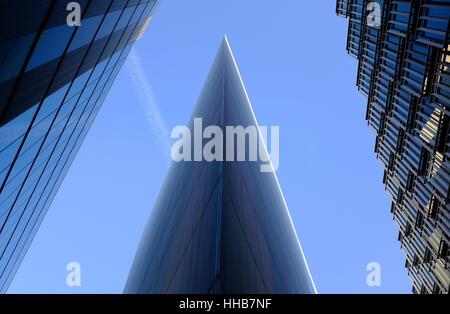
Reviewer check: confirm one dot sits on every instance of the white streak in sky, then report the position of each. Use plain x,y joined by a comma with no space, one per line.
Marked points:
147,99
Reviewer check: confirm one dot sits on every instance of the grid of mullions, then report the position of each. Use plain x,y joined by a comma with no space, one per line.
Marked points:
57,127
404,72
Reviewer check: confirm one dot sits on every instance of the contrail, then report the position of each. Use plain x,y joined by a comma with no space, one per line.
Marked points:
147,99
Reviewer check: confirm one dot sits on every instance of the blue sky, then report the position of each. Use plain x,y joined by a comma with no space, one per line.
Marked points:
298,76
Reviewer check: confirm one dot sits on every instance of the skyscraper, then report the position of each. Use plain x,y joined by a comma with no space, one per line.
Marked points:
220,226
54,76
403,54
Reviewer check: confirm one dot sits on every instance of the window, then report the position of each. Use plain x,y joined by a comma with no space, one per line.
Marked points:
423,162
433,207
415,260
412,112
442,133
400,196
427,256
419,220
407,229
391,161
382,122
51,45
443,249
409,182
401,134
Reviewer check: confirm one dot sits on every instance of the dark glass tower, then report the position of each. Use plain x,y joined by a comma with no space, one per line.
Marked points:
403,71
53,80
220,227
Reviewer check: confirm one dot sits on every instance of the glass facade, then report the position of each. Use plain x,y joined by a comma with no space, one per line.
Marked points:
403,71
53,80
220,226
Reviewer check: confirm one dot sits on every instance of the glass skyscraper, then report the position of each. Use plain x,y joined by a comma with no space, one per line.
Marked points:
403,53
53,80
220,226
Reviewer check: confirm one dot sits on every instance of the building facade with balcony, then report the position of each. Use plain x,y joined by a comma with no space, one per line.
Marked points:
403,53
